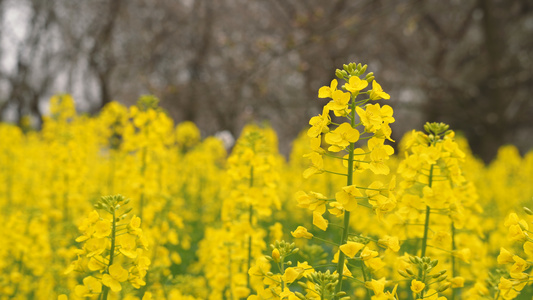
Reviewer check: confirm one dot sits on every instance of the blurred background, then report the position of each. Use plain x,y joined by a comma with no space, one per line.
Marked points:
225,63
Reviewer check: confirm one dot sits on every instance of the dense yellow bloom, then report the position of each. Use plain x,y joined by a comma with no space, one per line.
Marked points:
91,286
326,91
317,164
339,103
516,233
417,286
348,197
319,221
341,137
506,288
390,242
291,274
377,92
319,124
505,256
355,85
301,232
528,249
351,248
374,116
116,275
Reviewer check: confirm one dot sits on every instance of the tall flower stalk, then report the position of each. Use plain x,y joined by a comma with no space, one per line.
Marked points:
109,245
343,141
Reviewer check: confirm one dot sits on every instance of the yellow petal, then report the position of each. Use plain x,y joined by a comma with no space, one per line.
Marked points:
351,248
319,221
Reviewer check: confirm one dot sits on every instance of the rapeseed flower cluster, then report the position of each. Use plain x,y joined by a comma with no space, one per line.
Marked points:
108,246
228,250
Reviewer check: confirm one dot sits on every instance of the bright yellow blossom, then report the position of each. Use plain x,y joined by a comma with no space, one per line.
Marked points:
505,256
319,124
91,286
348,197
341,137
326,91
417,286
301,232
116,275
339,103
351,248
355,84
377,92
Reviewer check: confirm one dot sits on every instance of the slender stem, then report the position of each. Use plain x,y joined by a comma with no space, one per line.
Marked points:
366,278
111,252
426,223
325,241
331,172
345,231
282,270
426,229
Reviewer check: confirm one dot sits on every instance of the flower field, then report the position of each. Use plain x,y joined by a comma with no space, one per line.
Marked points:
128,205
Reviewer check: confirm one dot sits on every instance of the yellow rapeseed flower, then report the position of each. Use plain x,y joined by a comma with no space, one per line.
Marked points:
355,85
377,92
351,248
341,137
326,91
301,232
116,275
417,286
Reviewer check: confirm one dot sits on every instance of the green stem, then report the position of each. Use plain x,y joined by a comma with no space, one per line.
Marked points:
346,226
336,173
426,229
111,253
426,223
325,241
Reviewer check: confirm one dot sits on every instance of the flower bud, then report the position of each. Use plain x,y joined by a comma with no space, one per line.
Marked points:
346,67
434,263
413,260
443,287
341,294
403,274
276,255
437,275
